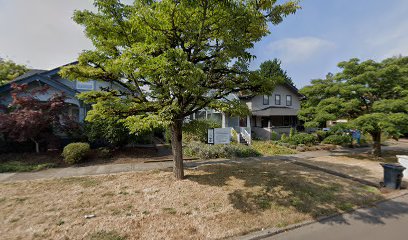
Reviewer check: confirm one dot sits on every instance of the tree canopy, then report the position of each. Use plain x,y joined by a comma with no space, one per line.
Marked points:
9,70
372,95
173,57
27,118
273,69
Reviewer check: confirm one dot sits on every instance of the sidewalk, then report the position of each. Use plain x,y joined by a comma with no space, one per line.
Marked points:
137,167
387,220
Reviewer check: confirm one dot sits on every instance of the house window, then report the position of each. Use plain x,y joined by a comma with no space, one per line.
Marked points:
288,100
266,100
277,99
88,85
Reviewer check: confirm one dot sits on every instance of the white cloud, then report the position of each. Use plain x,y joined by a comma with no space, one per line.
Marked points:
295,50
41,33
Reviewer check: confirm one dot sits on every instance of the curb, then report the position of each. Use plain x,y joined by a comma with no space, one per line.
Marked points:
258,235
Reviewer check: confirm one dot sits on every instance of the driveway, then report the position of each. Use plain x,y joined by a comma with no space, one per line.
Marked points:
388,220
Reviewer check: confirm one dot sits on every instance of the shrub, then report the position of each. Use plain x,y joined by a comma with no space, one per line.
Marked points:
75,152
322,135
104,152
284,138
207,151
274,136
107,130
303,138
269,148
196,130
338,139
292,132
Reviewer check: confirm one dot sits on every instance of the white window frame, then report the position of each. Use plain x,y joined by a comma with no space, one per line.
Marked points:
289,103
78,86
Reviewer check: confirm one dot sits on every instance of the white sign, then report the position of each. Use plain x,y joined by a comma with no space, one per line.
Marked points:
210,136
222,135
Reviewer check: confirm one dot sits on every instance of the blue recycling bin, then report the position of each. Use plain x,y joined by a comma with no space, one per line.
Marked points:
392,175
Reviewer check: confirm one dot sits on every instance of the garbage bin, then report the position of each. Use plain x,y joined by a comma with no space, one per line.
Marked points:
392,175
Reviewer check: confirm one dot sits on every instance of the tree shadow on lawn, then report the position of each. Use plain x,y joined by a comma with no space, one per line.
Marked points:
255,187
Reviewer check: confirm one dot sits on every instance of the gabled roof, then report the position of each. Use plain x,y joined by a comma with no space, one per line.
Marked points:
41,77
286,84
29,73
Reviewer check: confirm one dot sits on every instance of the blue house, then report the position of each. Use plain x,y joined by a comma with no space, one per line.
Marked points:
36,78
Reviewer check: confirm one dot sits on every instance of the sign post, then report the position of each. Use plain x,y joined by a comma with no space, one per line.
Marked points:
210,136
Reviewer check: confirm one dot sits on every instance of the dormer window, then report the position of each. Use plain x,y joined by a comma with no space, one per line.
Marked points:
88,85
265,100
277,99
288,100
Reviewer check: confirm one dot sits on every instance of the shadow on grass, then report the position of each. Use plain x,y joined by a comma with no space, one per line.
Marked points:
283,186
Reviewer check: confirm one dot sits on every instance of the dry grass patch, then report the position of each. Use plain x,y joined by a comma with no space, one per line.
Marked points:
215,201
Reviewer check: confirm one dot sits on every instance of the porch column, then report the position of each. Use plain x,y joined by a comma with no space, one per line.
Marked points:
248,121
223,120
82,113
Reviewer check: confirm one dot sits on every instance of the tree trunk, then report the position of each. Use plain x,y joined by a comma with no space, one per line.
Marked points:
177,148
376,144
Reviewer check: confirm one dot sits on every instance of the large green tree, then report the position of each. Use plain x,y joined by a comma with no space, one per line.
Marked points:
273,69
9,70
372,95
173,57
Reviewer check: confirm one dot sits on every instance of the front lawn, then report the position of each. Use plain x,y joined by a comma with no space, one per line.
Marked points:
215,201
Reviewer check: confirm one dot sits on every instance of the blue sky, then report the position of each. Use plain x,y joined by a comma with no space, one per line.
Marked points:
325,32
41,34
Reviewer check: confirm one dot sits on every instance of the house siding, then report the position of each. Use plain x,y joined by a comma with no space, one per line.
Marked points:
257,103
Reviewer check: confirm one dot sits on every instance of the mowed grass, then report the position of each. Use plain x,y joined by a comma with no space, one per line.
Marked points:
215,201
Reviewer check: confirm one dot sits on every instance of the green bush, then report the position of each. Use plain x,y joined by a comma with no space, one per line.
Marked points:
207,151
303,138
269,148
292,132
322,135
104,152
75,152
274,136
284,138
337,139
107,130
196,130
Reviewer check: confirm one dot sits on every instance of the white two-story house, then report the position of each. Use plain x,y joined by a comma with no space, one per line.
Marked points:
275,112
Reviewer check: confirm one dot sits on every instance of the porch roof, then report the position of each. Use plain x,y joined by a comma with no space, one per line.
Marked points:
275,111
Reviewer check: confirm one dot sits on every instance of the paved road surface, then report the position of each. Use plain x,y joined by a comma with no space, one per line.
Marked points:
388,221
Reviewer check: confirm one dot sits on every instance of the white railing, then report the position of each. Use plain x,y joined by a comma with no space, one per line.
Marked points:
246,134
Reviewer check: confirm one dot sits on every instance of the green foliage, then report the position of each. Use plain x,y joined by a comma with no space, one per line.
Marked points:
372,95
75,152
208,151
10,70
189,54
337,139
104,152
322,135
284,138
19,166
272,69
196,130
274,136
269,148
292,132
303,138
